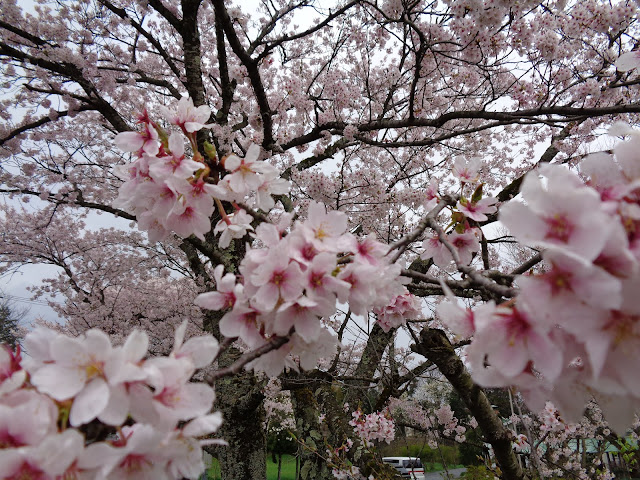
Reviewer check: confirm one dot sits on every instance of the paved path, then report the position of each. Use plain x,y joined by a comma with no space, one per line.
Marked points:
454,472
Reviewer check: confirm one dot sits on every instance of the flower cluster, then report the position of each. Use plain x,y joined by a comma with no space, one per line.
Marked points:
520,442
167,191
82,408
436,423
574,328
294,281
374,427
163,188
464,238
396,313
250,176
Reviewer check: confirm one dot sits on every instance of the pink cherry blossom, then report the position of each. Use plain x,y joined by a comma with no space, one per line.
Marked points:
467,169
226,295
145,141
323,229
187,116
277,278
238,228
402,308
478,210
562,216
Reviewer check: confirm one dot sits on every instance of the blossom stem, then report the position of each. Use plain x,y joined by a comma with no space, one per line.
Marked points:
223,214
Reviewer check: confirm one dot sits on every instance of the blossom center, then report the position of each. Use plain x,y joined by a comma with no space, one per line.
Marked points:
134,463
559,228
278,278
94,369
622,326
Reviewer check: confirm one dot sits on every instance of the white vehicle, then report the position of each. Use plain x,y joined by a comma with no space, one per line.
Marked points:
407,467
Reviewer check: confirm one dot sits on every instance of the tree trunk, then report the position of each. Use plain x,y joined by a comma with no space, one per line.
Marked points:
239,398
279,465
306,412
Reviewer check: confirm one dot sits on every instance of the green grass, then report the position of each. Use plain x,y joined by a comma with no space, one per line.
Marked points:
437,467
288,471
289,468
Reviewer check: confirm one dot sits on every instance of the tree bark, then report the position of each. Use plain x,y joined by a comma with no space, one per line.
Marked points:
435,346
239,398
306,412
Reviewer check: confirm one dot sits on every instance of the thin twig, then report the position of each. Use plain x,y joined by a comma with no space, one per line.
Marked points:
475,275
273,344
537,258
224,345
409,238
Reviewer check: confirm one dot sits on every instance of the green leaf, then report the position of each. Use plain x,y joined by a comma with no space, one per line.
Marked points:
315,435
457,217
477,195
304,471
210,151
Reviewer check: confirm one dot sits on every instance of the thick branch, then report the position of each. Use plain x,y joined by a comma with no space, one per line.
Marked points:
434,345
252,70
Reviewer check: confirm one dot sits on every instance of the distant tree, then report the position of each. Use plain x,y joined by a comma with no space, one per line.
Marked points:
10,318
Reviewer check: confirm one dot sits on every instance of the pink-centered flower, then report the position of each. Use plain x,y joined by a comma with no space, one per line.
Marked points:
145,141
367,249
301,314
398,311
510,339
186,220
187,116
175,163
320,282
561,213
572,293
436,250
477,210
244,322
277,278
466,244
226,295
467,169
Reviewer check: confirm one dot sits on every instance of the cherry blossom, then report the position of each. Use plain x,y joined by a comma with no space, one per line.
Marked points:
238,226
187,116
371,138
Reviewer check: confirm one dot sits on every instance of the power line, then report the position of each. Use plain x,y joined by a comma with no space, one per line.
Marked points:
16,298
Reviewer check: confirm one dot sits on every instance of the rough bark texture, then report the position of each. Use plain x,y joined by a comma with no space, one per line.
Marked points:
435,346
306,411
240,400
369,362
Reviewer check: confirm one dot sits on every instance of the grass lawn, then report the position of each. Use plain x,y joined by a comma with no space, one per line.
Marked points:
288,471
437,467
